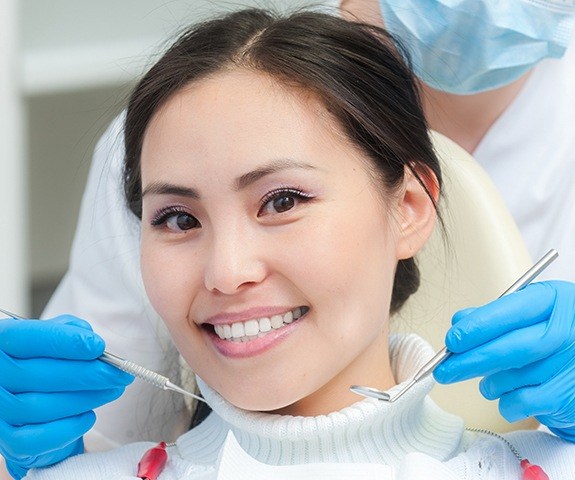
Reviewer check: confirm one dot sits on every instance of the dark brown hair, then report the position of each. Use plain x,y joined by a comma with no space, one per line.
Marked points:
358,72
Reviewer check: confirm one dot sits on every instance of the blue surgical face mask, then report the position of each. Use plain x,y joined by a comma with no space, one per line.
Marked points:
469,46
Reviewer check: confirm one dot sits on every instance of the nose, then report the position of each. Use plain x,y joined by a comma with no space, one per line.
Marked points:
234,261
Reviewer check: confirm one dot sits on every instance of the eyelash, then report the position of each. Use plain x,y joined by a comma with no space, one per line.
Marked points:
278,192
162,216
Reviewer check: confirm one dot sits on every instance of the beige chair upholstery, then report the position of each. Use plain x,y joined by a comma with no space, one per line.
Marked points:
480,254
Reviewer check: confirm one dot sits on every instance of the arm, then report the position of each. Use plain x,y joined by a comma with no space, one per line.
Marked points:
103,286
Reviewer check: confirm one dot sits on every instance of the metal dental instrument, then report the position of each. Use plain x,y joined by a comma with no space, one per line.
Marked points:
132,368
424,371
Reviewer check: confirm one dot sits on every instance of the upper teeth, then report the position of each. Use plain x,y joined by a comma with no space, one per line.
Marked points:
252,328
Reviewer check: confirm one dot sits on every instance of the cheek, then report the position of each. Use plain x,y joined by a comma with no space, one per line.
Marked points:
346,271
166,280
152,276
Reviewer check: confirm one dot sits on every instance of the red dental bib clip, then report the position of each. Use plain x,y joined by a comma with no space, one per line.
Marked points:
532,472
153,462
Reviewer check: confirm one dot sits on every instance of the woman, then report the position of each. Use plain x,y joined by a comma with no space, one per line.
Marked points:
500,127
284,179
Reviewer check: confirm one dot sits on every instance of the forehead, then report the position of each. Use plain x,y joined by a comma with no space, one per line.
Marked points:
243,97
237,119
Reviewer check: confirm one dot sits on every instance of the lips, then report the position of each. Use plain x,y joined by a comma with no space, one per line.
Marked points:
257,327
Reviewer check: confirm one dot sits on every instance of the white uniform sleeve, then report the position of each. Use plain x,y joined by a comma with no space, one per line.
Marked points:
104,287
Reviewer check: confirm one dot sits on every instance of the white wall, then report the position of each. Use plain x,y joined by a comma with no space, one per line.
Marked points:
13,268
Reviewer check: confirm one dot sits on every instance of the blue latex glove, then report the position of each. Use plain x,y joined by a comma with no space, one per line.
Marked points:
49,384
524,346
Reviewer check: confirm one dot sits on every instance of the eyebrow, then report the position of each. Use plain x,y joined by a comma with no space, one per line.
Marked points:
273,167
161,188
244,181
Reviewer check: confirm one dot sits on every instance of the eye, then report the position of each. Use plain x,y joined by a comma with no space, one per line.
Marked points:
282,200
175,219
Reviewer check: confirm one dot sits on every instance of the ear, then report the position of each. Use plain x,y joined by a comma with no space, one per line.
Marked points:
417,211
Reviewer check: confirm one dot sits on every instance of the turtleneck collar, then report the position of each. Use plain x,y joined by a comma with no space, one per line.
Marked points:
367,431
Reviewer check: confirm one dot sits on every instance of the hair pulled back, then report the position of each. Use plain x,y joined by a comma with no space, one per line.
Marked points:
357,71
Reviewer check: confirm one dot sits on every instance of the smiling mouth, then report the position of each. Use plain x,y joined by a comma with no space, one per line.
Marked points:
257,327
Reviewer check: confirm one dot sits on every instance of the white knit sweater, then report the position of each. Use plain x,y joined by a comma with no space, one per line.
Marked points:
411,439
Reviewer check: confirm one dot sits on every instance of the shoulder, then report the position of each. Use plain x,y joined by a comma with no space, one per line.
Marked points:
111,143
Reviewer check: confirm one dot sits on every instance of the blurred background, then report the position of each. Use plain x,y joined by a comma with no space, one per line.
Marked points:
66,67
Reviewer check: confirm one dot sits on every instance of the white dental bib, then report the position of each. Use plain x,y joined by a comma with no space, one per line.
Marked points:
412,439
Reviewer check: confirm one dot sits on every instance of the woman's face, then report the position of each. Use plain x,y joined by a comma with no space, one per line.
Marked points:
267,246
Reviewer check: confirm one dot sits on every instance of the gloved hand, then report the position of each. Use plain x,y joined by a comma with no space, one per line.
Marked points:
49,384
523,344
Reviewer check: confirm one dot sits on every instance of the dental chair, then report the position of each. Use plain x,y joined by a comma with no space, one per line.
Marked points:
480,254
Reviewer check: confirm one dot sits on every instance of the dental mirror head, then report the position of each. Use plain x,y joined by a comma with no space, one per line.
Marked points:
370,392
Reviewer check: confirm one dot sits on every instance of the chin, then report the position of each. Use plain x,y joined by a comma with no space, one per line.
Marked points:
260,401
